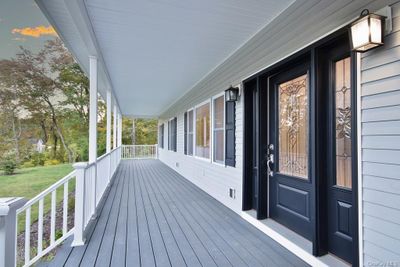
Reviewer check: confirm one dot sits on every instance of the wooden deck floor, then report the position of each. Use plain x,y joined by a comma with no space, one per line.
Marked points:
152,216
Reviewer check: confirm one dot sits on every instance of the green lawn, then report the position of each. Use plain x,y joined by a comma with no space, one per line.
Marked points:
29,182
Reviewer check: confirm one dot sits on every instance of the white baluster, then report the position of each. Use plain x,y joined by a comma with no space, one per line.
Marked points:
40,227
27,235
53,218
65,209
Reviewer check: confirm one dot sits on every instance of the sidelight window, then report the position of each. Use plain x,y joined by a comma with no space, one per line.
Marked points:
343,122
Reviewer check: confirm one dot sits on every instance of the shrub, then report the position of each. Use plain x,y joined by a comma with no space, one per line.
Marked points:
27,164
8,165
38,159
51,162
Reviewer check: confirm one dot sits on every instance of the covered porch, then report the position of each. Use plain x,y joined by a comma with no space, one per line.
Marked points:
152,216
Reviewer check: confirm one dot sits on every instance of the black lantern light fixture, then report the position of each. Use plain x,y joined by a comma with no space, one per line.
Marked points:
367,32
231,94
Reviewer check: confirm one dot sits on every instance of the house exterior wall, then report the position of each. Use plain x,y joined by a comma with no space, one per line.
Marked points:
213,178
380,130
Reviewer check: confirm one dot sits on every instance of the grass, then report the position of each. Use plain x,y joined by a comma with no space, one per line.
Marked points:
28,182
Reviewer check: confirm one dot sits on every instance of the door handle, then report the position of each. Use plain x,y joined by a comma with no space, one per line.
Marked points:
269,162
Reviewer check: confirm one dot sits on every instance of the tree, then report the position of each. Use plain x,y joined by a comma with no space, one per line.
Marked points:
145,131
33,76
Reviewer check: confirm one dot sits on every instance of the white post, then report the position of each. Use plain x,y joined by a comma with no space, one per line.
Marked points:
93,110
108,134
119,142
115,127
8,230
79,239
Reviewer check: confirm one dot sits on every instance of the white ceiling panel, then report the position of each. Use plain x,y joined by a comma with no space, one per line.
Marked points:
157,50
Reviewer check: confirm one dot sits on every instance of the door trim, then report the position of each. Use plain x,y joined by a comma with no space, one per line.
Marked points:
360,236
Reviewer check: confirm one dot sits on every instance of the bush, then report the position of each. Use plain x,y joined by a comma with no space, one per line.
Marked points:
8,165
27,164
51,162
38,159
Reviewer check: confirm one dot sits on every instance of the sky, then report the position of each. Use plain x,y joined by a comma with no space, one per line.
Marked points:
22,24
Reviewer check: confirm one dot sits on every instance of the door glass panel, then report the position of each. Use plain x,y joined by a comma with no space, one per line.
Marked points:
293,127
343,122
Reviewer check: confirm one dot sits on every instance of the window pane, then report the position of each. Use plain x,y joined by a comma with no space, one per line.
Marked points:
293,127
343,122
203,131
219,129
219,146
190,133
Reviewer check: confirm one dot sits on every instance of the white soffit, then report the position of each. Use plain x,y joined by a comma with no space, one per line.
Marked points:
154,51
157,50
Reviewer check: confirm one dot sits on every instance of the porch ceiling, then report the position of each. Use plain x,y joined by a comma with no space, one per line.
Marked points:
154,51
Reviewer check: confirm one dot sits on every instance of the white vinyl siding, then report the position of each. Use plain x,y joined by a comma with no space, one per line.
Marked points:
380,130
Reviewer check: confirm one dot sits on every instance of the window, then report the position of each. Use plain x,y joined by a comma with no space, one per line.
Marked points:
218,129
190,133
203,131
172,125
343,122
188,146
161,136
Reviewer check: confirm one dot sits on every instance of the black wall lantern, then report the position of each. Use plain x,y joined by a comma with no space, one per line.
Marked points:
231,94
367,32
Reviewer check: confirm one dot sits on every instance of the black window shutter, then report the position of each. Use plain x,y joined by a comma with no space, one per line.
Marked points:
161,136
230,148
185,134
175,129
169,135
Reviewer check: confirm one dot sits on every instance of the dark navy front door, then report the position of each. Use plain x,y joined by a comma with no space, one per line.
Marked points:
290,187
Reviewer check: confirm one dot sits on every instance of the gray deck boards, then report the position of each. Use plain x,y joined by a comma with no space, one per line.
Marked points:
152,216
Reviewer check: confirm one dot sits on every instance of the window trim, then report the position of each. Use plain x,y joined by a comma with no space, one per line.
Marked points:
208,101
212,128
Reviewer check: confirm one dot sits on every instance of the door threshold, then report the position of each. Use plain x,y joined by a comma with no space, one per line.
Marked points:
292,241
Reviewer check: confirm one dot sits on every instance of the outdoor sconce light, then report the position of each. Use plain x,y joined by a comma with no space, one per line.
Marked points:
366,32
231,94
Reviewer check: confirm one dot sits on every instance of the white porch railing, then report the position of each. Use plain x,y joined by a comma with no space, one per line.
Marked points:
139,151
26,211
89,181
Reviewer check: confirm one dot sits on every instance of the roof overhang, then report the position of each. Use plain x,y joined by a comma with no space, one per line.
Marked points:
151,53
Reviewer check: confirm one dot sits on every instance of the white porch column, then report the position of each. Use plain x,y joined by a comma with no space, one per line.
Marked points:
119,129
108,128
115,127
93,110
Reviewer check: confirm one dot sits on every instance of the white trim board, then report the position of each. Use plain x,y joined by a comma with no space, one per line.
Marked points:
324,261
